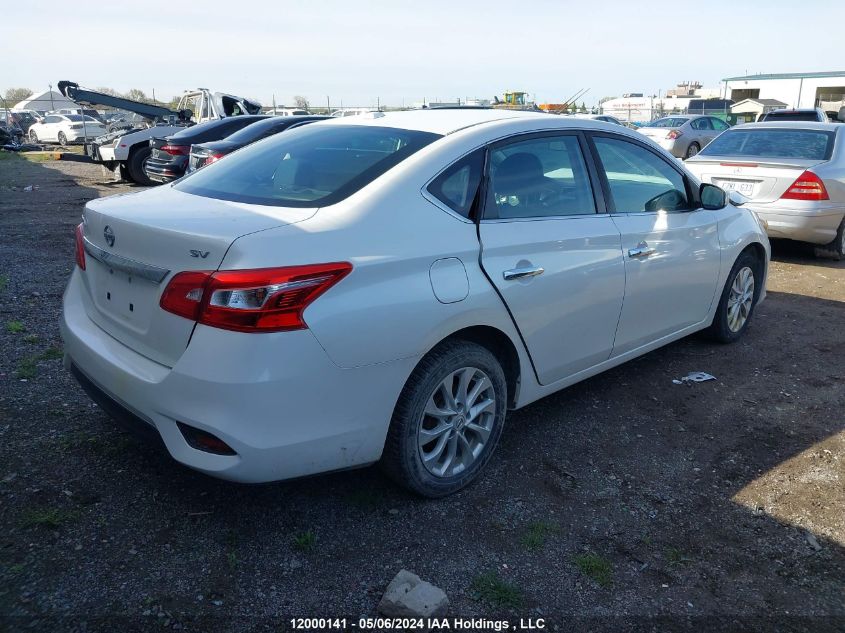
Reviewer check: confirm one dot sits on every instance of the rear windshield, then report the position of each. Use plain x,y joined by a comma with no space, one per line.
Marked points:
78,117
791,116
781,143
258,130
309,166
668,122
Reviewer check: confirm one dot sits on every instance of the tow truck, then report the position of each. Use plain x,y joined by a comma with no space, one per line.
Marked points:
125,152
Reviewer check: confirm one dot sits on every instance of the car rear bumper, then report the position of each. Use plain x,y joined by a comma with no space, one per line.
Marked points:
812,223
161,171
276,399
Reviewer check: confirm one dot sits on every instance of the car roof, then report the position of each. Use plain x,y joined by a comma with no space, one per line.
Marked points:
804,125
439,121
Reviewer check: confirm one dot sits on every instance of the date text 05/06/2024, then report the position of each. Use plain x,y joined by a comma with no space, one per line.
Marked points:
407,624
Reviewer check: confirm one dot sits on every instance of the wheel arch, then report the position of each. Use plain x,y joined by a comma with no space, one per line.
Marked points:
501,346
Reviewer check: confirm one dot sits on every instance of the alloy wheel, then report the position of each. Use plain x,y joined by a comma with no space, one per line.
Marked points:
457,422
740,299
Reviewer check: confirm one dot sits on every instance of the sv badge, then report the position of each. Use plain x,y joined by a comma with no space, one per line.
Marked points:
195,253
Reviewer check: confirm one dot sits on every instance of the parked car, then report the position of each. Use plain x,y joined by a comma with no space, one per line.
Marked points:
598,117
321,301
91,112
793,174
287,112
213,151
684,135
803,114
65,128
169,157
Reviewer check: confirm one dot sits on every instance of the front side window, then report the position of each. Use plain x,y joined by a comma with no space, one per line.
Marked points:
772,143
640,181
457,185
539,177
309,166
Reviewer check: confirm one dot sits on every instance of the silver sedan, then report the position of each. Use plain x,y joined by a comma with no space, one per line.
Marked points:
794,174
684,135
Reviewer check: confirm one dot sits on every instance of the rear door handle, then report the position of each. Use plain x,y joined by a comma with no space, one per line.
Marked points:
642,250
523,273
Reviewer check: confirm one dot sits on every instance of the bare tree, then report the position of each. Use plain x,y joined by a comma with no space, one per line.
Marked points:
138,95
14,95
108,91
301,102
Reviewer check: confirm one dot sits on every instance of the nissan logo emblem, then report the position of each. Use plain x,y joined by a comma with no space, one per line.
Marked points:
108,235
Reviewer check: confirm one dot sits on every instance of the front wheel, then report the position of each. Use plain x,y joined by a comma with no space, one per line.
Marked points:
739,297
33,136
448,420
136,166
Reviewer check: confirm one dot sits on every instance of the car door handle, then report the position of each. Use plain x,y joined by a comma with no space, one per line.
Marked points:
642,250
523,273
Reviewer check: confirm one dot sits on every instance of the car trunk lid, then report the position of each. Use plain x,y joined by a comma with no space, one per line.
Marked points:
764,180
135,243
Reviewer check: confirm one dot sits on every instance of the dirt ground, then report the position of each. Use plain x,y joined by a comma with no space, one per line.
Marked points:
623,503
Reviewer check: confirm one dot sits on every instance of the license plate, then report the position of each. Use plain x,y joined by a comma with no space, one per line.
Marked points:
155,153
743,187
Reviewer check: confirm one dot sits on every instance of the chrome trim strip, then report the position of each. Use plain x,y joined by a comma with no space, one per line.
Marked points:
129,266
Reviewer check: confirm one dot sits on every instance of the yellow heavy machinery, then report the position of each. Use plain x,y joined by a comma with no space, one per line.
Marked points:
513,100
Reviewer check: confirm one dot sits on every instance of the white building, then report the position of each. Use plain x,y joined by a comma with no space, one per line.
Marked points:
824,90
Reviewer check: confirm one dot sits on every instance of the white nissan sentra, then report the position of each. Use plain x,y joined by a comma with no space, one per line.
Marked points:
386,288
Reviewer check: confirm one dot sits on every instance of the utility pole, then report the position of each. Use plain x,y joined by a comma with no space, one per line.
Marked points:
328,105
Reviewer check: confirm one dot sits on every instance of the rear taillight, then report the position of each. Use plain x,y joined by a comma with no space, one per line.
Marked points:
213,158
260,300
808,186
673,134
80,248
176,150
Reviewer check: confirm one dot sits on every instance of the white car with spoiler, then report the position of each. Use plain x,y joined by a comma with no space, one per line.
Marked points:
793,174
385,287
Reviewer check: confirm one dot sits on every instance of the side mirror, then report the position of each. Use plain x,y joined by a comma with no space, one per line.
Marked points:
712,197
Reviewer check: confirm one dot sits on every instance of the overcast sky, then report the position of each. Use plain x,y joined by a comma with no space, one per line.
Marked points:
357,50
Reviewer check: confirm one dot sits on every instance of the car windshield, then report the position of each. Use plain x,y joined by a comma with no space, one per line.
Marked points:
312,165
772,143
792,116
667,122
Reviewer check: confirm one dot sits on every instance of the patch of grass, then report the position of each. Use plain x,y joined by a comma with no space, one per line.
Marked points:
595,567
27,368
676,558
51,518
8,155
232,559
496,592
38,157
4,279
15,327
52,353
30,338
537,534
305,541
77,439
15,569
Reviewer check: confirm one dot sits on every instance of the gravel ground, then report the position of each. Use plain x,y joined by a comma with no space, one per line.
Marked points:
623,503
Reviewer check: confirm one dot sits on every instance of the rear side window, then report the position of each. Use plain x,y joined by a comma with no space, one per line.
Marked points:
701,124
308,166
640,181
772,143
718,124
457,185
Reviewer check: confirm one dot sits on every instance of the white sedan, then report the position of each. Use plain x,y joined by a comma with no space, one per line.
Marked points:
386,288
65,128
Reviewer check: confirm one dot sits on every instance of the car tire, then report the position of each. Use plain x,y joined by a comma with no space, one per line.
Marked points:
738,300
692,150
33,137
473,378
836,249
135,166
62,138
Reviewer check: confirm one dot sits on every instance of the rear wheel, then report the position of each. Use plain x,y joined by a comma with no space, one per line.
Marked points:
448,420
62,138
692,150
739,297
136,164
836,249
33,136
